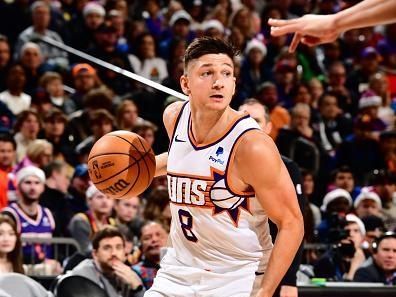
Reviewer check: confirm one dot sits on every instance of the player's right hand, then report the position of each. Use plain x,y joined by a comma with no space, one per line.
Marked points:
309,29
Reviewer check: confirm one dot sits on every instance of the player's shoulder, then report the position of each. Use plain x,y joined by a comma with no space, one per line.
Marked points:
255,140
171,113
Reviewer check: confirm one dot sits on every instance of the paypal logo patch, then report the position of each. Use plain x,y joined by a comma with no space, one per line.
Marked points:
217,159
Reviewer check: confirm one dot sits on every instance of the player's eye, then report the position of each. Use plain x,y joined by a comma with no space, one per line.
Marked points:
206,73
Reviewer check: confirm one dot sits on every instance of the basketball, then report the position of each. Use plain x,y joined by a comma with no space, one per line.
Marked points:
121,164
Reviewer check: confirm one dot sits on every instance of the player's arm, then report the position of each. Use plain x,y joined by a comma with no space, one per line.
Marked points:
316,29
169,118
259,165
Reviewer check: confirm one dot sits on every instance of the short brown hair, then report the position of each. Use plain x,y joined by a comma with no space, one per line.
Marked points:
106,232
208,45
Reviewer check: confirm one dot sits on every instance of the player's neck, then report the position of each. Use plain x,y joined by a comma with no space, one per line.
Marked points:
208,125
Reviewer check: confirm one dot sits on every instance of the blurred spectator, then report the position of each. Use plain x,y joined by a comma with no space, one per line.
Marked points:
267,94
14,18
213,28
333,126
54,130
40,22
26,129
285,77
379,85
7,161
39,153
52,83
154,20
55,197
360,146
79,184
31,60
90,16
335,205
369,104
384,184
316,91
358,79
105,48
85,79
388,149
117,21
343,178
107,268
308,190
337,87
387,48
242,19
10,246
308,60
7,118
254,70
383,267
32,219
147,130
179,28
84,225
127,213
101,123
127,115
367,203
5,55
332,55
78,125
14,97
153,239
298,142
146,63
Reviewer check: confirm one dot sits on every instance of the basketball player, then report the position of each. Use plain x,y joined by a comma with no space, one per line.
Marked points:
225,179
316,29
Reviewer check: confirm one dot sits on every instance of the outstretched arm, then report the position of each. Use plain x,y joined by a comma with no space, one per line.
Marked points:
259,165
316,29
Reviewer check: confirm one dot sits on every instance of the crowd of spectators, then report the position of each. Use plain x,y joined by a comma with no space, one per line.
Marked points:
332,111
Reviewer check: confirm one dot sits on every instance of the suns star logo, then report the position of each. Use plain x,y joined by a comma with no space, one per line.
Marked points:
207,192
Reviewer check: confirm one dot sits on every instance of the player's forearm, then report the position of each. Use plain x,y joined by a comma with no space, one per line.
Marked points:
286,245
365,14
161,161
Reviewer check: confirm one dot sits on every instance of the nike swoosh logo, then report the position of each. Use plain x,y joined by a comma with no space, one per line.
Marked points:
179,140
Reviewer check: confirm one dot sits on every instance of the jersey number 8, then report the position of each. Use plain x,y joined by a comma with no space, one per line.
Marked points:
186,224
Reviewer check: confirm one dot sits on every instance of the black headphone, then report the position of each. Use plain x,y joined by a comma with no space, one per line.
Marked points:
378,240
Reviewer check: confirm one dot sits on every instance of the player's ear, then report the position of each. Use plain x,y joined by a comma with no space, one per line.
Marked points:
184,84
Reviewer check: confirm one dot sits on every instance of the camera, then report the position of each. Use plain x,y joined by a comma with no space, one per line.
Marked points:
338,235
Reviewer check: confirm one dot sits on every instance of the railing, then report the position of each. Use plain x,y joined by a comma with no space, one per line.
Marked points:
62,248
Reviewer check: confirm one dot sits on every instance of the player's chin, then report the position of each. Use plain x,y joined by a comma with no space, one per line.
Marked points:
218,103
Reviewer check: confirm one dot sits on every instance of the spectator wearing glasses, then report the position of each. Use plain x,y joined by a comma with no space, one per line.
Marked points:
382,269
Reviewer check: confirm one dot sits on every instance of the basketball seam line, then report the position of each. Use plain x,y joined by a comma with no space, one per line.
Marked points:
144,160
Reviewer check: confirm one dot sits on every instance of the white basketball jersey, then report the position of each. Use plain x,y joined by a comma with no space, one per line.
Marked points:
213,226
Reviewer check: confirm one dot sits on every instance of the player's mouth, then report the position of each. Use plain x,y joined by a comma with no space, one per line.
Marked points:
217,97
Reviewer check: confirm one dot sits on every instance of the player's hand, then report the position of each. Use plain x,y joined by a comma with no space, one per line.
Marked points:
126,274
309,29
288,291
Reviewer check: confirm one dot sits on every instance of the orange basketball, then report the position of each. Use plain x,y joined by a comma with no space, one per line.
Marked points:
121,164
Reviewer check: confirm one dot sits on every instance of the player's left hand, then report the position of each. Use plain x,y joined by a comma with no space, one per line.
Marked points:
288,291
126,274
